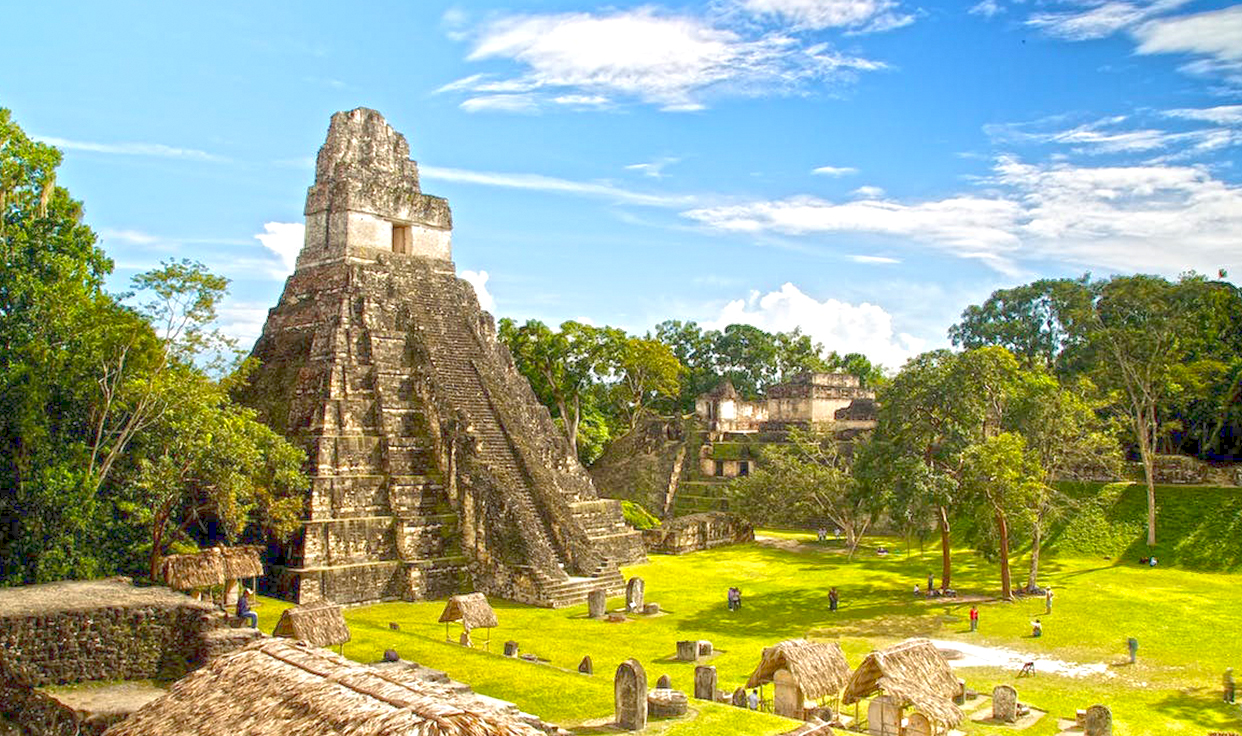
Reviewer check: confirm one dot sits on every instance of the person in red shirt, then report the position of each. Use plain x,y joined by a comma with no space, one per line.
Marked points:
974,618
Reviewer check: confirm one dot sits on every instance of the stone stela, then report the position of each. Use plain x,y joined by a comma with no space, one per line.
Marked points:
434,469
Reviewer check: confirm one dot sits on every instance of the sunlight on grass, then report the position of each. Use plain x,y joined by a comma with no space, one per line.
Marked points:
1173,689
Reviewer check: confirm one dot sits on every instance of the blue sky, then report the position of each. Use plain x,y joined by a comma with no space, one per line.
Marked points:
863,169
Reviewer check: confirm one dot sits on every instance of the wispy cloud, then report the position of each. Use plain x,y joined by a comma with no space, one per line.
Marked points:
885,260
1221,115
868,192
1215,34
1099,20
1120,218
539,182
834,170
129,149
654,169
673,61
987,8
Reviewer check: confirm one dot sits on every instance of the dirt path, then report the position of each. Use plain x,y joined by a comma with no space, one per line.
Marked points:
975,655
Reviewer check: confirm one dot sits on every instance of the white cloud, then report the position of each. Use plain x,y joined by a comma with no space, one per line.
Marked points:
285,240
840,326
654,169
834,170
130,236
582,100
860,15
1157,218
1221,115
478,279
500,103
1108,136
1100,20
987,8
128,149
242,321
880,260
868,192
668,60
1215,33
538,182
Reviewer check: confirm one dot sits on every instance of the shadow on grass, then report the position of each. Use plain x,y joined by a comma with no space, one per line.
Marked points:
1200,705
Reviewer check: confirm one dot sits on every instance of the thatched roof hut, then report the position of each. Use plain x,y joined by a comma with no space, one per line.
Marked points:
201,569
243,561
276,687
472,609
819,668
913,673
211,566
321,624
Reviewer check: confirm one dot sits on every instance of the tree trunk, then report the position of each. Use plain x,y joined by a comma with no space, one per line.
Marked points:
1036,540
1006,584
945,550
1144,431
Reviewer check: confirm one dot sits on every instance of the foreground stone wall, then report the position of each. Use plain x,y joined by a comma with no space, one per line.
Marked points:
698,532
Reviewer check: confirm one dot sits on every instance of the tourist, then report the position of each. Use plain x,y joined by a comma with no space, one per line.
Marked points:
243,609
974,618
1229,686
916,590
1151,562
753,699
823,534
1037,629
833,599
734,599
1132,643
1048,601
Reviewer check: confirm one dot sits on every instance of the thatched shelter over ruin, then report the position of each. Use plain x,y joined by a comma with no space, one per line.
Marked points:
472,610
321,624
801,670
819,667
211,566
276,687
911,673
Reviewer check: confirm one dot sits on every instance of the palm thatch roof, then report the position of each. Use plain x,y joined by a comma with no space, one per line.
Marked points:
276,687
198,570
473,610
819,668
243,561
321,624
913,672
211,566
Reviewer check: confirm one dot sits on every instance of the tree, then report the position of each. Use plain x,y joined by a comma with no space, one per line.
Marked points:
1035,321
805,480
1000,477
562,366
647,370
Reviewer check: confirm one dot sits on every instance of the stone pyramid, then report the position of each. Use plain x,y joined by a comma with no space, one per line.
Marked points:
434,468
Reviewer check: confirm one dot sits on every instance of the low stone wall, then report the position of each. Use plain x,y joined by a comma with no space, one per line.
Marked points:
60,633
698,531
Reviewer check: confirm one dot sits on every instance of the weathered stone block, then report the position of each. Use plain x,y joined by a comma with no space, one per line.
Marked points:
705,683
630,695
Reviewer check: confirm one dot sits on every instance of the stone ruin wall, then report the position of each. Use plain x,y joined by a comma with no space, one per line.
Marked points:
696,532
434,468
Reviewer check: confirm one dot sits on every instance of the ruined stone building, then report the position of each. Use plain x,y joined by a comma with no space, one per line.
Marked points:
434,468
681,466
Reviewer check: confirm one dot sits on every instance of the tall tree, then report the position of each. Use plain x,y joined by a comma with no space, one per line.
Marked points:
647,371
1001,478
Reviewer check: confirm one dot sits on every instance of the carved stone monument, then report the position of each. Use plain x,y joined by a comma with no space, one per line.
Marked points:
511,649
687,651
1099,721
433,466
664,683
704,648
586,667
1004,704
629,689
597,603
705,683
634,595
739,697
883,716
787,697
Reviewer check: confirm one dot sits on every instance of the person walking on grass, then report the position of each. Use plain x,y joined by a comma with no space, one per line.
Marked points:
974,618
1132,643
834,599
1047,601
1229,686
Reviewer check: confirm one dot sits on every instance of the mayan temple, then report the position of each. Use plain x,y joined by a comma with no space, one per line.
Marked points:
434,468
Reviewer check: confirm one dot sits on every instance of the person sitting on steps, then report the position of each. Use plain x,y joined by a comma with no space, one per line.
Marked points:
243,609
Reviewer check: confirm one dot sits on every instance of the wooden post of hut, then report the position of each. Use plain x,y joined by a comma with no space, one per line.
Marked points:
473,611
800,670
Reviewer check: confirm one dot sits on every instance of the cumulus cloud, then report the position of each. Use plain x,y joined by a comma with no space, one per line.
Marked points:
1216,34
868,192
1159,218
478,279
834,170
284,239
986,8
840,326
672,61
861,15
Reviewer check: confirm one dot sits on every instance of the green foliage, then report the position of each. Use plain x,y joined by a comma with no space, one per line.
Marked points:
637,516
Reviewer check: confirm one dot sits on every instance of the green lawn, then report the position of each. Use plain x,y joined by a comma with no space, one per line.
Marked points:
1187,624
